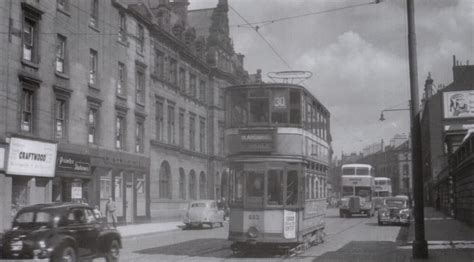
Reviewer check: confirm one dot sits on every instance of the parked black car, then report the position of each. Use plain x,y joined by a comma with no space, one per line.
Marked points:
60,232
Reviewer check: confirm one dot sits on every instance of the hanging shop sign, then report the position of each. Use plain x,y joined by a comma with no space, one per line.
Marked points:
31,158
67,162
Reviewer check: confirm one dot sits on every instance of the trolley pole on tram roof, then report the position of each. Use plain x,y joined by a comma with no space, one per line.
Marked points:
420,246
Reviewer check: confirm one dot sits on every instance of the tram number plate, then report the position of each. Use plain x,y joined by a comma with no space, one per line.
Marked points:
254,217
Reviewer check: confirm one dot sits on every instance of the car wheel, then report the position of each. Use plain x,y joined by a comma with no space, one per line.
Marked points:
65,253
113,251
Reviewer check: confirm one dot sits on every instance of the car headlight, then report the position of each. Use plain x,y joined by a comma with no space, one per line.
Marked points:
253,232
42,244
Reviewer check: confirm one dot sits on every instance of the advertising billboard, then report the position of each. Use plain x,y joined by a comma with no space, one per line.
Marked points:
31,158
458,104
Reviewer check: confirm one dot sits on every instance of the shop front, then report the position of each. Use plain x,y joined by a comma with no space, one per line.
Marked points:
31,165
73,181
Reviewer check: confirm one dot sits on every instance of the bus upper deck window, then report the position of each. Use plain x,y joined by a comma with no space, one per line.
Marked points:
292,187
254,186
275,187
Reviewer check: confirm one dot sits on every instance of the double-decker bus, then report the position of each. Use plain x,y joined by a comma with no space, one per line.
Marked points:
357,182
383,187
278,150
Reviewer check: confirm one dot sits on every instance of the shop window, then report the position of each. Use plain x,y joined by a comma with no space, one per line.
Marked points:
254,185
202,135
258,107
140,185
122,36
275,189
122,76
61,54
171,124
159,120
27,110
292,187
118,187
61,118
92,67
202,186
140,86
139,136
192,184
182,184
164,181
94,13
105,188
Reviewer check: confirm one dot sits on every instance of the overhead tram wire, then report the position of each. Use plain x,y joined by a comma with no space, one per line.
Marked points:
259,24
261,36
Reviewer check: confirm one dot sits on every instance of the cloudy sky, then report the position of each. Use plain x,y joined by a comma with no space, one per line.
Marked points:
358,55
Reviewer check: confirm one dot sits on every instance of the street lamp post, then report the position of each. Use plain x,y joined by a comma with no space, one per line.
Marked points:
420,246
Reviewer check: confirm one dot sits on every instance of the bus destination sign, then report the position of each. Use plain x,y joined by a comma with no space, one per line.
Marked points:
256,140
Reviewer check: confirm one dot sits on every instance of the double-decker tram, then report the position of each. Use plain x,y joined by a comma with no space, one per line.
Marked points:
278,150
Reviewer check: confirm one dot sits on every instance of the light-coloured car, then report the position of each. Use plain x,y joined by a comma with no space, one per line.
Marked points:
203,212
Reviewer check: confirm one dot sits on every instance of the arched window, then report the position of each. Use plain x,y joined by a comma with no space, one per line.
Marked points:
202,186
192,184
164,181
182,184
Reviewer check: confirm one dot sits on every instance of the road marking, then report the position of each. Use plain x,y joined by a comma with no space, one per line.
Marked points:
443,244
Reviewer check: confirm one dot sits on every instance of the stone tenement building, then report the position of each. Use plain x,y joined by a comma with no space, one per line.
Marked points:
113,98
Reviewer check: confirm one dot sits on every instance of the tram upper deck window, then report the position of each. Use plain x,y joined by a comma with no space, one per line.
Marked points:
279,106
275,189
238,102
254,185
348,171
258,106
295,107
292,187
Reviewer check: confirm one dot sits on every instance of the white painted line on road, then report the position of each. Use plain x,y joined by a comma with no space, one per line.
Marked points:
441,244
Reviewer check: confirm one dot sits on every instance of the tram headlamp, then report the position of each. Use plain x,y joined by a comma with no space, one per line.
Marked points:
253,232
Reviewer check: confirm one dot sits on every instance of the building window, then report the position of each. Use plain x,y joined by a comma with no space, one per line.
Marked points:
60,108
61,54
221,138
63,4
164,181
181,128
140,87
221,97
105,187
159,121
94,13
29,38
192,185
202,91
92,67
158,63
140,38
172,70
122,36
202,186
192,85
182,79
92,123
202,135
139,135
171,125
121,82
120,132
192,132
182,184
27,111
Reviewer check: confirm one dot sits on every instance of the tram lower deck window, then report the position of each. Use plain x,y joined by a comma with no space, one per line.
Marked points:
292,187
275,189
254,184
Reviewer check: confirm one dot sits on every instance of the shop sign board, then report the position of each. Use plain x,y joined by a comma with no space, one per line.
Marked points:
289,224
76,192
73,162
256,140
458,104
31,158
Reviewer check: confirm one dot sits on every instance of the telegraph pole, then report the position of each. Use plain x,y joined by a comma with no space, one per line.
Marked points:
420,246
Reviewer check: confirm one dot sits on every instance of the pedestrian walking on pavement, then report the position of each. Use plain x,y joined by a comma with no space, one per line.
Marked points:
110,208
